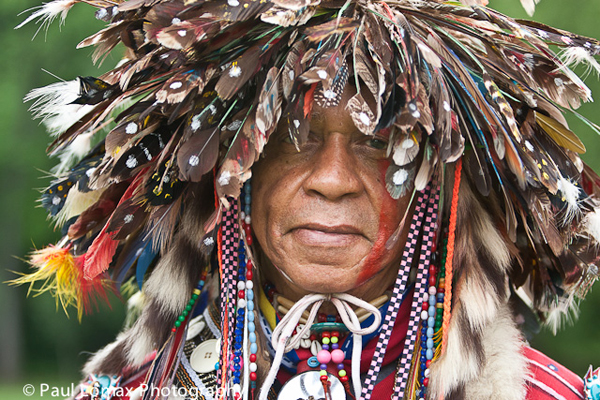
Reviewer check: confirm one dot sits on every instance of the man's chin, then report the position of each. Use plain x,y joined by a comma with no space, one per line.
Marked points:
324,277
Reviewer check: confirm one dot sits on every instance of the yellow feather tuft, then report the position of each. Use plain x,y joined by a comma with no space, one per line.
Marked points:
61,274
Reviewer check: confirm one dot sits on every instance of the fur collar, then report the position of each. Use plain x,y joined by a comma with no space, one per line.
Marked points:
497,370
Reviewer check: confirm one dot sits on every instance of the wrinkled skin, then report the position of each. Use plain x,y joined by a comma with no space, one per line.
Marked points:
322,216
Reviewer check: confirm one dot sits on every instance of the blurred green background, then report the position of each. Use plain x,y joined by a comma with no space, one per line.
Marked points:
38,343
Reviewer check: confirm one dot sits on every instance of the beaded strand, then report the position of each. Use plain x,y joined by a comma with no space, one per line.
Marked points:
248,289
431,335
240,323
190,305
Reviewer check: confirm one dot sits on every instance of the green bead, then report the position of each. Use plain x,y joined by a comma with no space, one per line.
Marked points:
177,324
192,302
184,313
188,307
181,318
194,296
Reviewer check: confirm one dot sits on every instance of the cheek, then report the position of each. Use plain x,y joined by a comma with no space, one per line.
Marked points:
388,222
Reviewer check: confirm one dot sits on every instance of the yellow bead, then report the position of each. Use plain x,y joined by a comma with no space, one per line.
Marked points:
196,291
323,372
325,340
334,339
342,372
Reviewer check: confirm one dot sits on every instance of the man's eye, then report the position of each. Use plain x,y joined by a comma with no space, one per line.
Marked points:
377,144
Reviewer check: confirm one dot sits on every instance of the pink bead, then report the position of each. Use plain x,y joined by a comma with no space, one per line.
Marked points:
338,356
324,356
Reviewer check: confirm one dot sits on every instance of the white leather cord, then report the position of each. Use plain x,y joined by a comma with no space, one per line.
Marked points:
283,341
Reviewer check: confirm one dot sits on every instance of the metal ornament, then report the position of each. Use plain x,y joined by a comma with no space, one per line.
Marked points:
308,386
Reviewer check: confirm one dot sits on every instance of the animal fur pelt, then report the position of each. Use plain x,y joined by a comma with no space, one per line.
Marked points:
166,292
491,368
482,338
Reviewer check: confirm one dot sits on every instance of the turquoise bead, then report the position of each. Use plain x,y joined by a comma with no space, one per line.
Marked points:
431,310
250,316
431,320
250,306
595,391
250,294
252,337
251,327
430,331
429,354
313,362
432,300
253,348
430,343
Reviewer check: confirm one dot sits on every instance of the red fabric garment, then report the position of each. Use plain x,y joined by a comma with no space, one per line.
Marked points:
549,380
134,379
394,350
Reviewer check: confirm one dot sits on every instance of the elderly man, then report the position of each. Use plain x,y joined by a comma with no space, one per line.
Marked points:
323,199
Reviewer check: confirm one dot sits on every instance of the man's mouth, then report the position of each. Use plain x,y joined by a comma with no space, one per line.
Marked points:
320,235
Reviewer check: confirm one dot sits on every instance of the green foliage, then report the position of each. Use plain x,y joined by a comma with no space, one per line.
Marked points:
38,339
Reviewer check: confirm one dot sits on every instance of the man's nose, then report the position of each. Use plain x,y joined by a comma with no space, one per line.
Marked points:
334,170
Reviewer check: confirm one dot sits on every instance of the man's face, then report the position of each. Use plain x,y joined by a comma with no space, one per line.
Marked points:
322,215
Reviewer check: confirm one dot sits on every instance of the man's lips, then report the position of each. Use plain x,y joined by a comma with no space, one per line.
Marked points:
326,235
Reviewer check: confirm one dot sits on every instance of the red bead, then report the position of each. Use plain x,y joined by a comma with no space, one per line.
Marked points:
344,378
432,280
249,240
425,306
252,376
174,330
313,337
441,290
425,381
432,271
241,294
326,334
335,333
249,264
324,378
427,363
252,357
249,274
322,317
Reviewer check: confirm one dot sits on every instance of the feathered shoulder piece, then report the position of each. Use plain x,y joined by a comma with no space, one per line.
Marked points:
205,83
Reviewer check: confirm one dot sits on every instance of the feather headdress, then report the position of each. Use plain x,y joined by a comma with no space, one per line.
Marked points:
181,120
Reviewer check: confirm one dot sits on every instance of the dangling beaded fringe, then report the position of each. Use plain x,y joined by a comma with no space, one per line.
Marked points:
228,264
188,308
239,346
398,291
